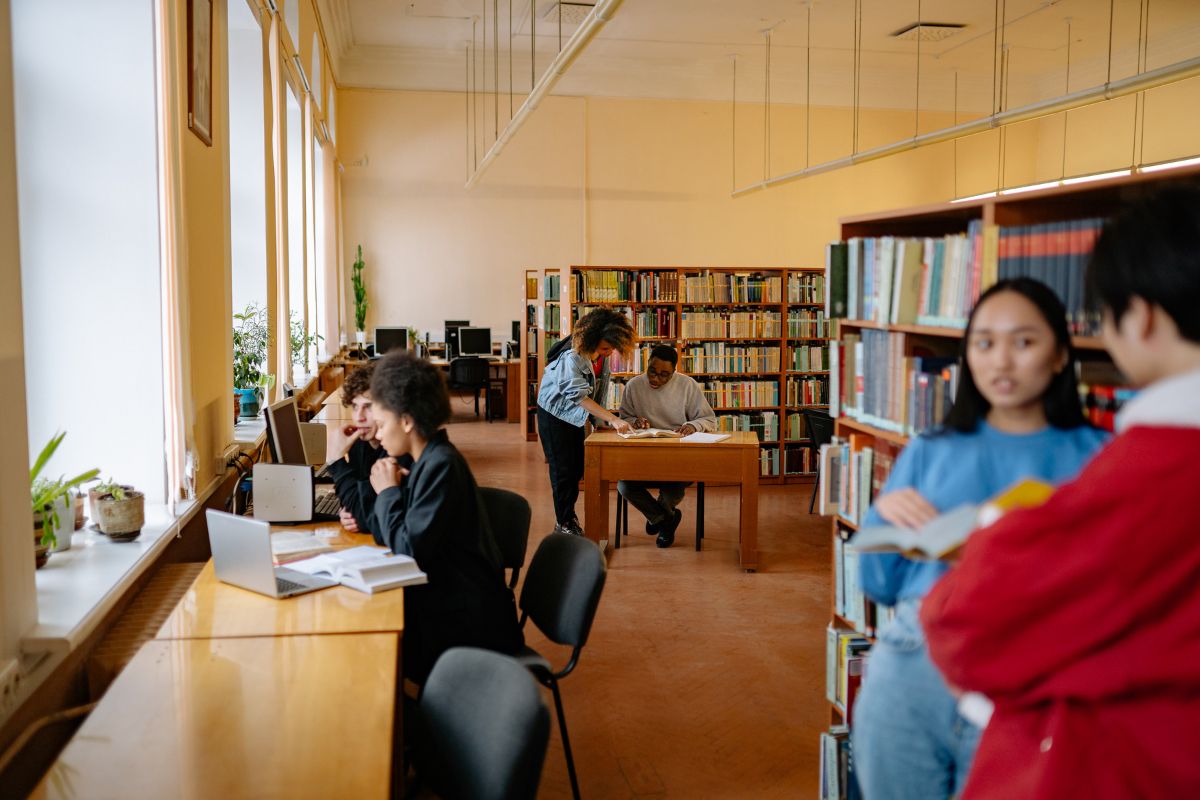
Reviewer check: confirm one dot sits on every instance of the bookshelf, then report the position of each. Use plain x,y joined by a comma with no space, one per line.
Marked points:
531,351
757,340
893,363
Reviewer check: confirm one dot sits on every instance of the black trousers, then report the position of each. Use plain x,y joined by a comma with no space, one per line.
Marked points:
562,443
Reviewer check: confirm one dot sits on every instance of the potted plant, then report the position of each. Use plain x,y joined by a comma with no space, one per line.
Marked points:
360,300
120,511
251,335
51,503
301,342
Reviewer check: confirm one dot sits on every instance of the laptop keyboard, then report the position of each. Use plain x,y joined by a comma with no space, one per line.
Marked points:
283,585
327,504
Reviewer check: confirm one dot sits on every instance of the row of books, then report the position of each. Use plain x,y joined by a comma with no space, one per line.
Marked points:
845,661
636,361
726,357
740,394
837,766
1055,253
808,358
654,322
763,423
853,472
735,287
882,386
807,323
602,286
807,391
1101,403
798,461
531,287
731,324
658,287
553,287
611,399
531,315
806,287
552,317
768,461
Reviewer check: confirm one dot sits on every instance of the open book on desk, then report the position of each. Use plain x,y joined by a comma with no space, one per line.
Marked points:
294,545
649,433
944,535
367,569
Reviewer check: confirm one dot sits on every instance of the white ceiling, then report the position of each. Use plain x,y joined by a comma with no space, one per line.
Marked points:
686,49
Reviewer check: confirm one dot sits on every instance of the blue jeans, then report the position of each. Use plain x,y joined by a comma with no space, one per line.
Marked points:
909,741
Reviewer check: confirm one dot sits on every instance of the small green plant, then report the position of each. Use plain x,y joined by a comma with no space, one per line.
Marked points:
45,492
110,487
251,337
360,293
300,342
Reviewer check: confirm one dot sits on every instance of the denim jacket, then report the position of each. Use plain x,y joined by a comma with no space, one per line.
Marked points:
567,380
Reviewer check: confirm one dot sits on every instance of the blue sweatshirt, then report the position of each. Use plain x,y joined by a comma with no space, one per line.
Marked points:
953,468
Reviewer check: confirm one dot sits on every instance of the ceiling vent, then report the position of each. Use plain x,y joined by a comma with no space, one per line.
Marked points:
572,13
927,31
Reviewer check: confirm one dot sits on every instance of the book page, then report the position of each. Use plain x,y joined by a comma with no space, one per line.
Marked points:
705,438
935,539
647,433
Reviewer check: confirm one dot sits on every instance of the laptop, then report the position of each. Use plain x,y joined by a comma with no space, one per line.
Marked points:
241,551
293,443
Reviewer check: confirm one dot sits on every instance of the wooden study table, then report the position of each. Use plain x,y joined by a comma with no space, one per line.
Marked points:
261,717
212,609
609,458
512,383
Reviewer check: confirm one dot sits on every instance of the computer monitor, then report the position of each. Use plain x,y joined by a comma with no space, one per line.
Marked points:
475,341
388,339
283,433
452,326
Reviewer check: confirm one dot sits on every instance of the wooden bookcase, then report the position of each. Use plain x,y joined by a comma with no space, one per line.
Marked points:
531,349
1059,204
656,300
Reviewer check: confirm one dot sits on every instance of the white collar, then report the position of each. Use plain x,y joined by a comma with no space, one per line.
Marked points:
1170,403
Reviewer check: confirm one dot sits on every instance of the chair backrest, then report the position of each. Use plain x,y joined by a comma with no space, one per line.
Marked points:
469,371
487,725
820,427
508,515
562,588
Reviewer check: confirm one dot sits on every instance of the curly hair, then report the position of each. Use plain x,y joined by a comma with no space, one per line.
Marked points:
356,383
603,325
405,384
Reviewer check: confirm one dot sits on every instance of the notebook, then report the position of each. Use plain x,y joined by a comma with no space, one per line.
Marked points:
367,569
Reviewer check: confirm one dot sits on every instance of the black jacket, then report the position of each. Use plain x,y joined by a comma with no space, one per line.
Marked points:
436,518
352,482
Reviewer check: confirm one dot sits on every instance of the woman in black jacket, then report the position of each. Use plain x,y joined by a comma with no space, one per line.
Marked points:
436,517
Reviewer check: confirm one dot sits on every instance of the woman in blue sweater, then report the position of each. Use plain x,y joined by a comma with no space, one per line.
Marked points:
1016,414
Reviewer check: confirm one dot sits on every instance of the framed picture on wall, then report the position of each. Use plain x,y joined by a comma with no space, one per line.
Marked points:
199,56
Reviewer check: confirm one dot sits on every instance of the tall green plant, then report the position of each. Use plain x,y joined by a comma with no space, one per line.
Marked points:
44,492
360,293
301,341
251,336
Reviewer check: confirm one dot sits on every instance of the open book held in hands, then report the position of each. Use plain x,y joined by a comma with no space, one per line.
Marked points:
648,433
367,569
942,536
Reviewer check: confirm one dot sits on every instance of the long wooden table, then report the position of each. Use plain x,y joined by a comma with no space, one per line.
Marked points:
609,458
258,717
512,383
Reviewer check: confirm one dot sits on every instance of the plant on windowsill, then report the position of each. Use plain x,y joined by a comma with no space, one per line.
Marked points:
301,342
51,503
251,336
360,300
120,511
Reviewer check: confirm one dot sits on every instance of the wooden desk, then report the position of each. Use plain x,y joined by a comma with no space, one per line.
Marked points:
212,609
608,458
512,383
279,717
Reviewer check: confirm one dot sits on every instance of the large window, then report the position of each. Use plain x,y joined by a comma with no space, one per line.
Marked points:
297,293
247,163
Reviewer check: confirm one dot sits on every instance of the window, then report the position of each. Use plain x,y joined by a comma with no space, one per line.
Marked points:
247,167
315,77
297,290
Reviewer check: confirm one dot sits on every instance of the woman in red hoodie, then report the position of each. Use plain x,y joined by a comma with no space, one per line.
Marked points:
1081,619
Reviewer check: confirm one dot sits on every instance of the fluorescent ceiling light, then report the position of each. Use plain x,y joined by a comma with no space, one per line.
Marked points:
1099,176
983,196
1185,162
1033,187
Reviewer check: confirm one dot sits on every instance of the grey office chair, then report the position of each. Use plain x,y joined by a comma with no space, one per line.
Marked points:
819,426
509,515
470,373
487,726
562,590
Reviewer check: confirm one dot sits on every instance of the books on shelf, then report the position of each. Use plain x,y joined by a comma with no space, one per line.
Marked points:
611,400
837,780
531,287
812,390
730,324
552,287
853,472
1055,253
552,317
882,386
709,357
735,287
1103,390
604,286
845,657
806,287
798,460
657,287
655,322
768,461
367,569
763,423
807,323
740,394
808,358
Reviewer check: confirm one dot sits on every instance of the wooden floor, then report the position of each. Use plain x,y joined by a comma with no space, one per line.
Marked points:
698,680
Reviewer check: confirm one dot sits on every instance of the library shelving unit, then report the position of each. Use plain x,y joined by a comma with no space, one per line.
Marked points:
756,340
872,440
531,349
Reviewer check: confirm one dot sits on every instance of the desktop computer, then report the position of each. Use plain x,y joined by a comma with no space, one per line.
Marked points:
390,338
452,326
475,342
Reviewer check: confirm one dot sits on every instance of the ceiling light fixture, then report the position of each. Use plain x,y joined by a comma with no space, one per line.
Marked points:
572,13
1183,162
927,31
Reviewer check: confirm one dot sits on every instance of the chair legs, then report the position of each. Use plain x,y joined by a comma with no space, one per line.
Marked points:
816,483
621,506
562,727
699,514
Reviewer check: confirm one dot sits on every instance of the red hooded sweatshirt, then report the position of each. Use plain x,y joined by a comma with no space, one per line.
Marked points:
1081,621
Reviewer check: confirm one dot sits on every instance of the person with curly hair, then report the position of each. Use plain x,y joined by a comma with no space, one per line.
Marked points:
354,449
437,518
576,374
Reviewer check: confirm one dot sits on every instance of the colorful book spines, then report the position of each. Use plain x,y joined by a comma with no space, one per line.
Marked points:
713,357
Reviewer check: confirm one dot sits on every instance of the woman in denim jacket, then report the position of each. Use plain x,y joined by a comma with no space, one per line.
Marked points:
566,398
1016,415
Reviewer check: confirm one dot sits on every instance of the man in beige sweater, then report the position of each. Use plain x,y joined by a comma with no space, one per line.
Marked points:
661,398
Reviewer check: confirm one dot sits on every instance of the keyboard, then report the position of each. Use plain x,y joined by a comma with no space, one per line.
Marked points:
327,504
283,585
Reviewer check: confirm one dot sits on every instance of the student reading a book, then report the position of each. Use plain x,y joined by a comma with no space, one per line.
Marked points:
1016,414
662,398
1081,619
436,517
576,374
355,450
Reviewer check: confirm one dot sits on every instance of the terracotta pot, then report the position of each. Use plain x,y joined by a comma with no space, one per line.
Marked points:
41,552
77,499
121,520
93,496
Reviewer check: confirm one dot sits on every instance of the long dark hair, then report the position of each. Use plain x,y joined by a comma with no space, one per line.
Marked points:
1061,398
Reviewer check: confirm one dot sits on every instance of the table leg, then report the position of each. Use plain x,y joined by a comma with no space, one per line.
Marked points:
595,498
748,523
